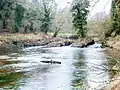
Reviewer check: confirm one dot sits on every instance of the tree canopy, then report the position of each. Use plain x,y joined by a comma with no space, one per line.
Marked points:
39,15
27,15
80,11
6,8
115,18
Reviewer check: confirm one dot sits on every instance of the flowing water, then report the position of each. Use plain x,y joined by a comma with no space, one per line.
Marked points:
80,68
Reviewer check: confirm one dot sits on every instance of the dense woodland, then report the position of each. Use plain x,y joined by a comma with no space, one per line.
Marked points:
25,16
44,16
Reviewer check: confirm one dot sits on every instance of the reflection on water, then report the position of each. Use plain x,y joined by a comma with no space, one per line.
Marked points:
91,69
80,69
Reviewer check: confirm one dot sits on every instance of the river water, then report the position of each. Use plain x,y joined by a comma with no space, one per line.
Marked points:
80,68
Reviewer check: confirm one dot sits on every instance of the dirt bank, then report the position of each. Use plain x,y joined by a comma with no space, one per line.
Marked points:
114,69
40,39
8,38
113,42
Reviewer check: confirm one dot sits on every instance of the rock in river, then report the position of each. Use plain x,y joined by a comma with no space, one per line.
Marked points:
83,43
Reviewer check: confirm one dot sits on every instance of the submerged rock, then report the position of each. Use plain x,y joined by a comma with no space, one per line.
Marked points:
67,43
73,37
15,42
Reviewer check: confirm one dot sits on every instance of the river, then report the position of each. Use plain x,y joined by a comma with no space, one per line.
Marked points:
80,68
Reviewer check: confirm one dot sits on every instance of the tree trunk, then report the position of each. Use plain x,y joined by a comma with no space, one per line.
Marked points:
9,25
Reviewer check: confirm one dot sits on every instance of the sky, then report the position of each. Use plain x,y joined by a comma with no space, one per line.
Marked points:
101,6
63,3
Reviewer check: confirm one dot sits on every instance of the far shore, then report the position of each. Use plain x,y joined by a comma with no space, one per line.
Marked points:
41,39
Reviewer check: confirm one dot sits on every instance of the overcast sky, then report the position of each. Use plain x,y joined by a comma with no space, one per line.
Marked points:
101,6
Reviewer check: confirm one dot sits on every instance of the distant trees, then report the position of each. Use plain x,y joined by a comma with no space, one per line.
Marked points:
11,14
80,12
6,8
29,15
39,14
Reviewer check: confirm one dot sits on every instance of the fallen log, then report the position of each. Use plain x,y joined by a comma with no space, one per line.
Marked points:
52,62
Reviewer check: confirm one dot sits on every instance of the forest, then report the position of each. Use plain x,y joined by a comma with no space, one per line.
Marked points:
40,16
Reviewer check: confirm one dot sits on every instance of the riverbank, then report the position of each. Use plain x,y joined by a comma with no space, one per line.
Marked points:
114,69
41,39
114,84
113,42
112,48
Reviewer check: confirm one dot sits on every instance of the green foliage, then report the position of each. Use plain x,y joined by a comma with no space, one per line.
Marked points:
10,81
31,15
47,15
19,15
6,8
80,13
45,24
115,18
16,27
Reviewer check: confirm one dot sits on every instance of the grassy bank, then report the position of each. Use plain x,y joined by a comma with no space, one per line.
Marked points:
7,38
18,36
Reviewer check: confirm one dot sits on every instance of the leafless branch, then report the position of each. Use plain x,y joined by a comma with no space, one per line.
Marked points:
95,3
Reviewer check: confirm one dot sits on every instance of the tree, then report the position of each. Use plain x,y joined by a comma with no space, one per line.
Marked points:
40,12
19,15
6,8
62,21
48,8
80,13
115,18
